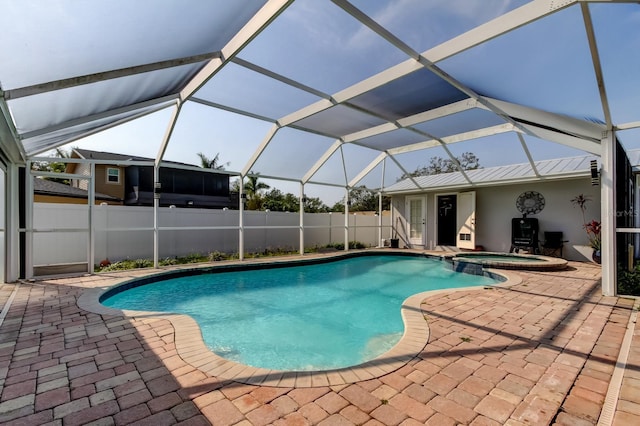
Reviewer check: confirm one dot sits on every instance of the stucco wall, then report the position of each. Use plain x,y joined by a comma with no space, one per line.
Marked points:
496,206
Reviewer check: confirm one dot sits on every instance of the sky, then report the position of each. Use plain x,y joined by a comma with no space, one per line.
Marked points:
545,65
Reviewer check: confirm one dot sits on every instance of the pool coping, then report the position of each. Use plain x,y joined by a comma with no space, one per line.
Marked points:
192,349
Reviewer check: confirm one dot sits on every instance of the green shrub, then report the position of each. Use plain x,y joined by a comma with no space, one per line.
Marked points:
168,261
123,265
352,245
216,256
193,258
356,245
629,281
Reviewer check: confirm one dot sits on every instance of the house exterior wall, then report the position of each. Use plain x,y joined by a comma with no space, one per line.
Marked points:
496,206
103,186
84,170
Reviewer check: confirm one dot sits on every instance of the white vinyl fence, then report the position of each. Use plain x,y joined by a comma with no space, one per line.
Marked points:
61,233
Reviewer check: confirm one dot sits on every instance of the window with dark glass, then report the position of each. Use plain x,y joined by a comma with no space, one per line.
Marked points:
113,175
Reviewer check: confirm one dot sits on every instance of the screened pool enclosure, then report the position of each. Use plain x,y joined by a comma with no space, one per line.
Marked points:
319,96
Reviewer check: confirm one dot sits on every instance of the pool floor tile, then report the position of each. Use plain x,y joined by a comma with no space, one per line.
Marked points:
542,350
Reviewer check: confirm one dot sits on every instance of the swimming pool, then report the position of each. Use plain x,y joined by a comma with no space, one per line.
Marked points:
305,318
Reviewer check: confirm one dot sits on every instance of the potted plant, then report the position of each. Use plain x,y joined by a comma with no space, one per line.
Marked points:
592,228
593,233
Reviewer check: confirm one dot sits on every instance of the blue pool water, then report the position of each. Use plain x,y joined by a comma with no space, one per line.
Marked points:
312,317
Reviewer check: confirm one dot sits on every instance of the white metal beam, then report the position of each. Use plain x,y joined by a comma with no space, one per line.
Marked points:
597,66
503,24
307,111
411,178
628,126
457,163
258,152
414,147
479,133
372,131
9,139
167,136
440,112
407,122
379,29
251,29
460,137
608,213
67,83
525,148
344,169
231,109
589,146
12,223
555,122
368,169
325,157
286,80
301,201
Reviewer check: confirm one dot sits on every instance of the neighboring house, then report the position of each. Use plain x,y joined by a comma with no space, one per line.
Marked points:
445,211
47,191
135,185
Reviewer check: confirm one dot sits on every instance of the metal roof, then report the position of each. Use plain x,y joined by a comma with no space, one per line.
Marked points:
337,92
561,168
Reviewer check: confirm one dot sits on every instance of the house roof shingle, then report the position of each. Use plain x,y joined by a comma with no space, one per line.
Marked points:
48,187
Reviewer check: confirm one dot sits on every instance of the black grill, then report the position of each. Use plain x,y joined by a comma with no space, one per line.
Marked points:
524,233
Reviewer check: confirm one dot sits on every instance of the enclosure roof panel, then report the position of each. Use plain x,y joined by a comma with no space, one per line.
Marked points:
398,78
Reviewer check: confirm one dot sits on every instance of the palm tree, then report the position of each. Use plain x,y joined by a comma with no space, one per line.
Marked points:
252,188
54,166
211,163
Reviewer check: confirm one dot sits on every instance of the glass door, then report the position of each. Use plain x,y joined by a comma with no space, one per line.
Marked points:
417,221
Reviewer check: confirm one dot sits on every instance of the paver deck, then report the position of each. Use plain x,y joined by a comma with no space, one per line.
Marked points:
539,352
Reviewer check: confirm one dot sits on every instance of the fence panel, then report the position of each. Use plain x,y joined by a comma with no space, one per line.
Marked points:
126,232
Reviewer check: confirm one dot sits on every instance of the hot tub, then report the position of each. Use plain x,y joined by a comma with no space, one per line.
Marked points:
484,259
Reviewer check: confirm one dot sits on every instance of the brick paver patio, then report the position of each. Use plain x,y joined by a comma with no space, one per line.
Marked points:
539,352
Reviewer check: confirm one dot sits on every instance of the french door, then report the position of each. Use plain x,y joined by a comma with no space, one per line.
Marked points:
417,221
